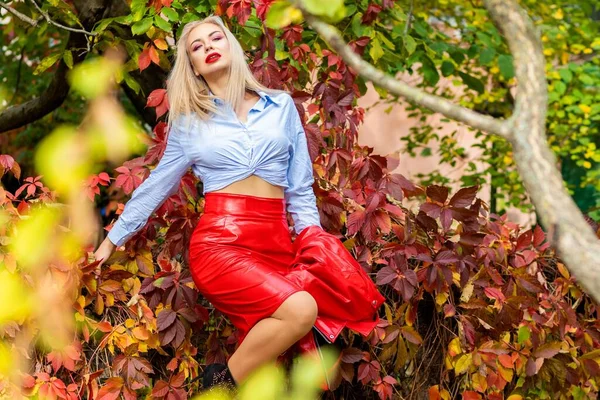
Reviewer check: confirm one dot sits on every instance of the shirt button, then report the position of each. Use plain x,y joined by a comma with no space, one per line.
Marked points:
330,336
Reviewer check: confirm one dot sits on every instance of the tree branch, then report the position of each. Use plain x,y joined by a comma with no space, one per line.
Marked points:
68,28
19,115
20,15
414,95
574,239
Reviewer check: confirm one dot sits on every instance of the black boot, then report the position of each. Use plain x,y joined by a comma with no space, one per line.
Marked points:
218,375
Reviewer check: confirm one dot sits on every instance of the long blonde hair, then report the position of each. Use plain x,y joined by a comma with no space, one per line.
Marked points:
188,93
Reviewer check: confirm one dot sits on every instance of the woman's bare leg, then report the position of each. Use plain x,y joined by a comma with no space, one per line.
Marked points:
272,336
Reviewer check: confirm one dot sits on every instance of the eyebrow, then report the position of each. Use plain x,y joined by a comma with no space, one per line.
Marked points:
209,35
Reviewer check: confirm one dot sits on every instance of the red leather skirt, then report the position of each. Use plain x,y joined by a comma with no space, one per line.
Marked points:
242,259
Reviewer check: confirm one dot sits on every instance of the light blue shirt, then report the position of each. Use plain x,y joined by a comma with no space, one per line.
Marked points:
270,144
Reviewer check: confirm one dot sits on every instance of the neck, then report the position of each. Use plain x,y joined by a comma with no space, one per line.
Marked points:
217,84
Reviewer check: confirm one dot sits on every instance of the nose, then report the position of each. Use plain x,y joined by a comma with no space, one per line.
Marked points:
207,48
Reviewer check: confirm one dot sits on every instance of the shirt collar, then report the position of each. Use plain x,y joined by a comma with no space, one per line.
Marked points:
263,95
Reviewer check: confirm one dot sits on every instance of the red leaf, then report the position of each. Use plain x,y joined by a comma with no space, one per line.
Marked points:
165,319
437,193
156,97
533,366
144,59
464,197
494,293
160,389
352,355
431,209
524,241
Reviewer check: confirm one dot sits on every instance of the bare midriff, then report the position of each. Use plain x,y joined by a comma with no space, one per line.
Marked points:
253,186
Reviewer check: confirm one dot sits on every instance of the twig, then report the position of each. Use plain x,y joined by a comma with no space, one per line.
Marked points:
19,15
409,17
68,28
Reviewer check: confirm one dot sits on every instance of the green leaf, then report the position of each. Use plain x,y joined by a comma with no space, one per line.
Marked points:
101,26
141,27
385,41
560,87
68,58
505,62
485,39
457,55
162,23
132,83
47,63
330,10
410,44
376,52
171,14
439,47
472,82
523,335
565,74
447,68
188,17
281,14
138,9
487,55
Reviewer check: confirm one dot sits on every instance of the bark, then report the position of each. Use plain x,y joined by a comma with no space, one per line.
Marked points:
568,231
55,94
89,12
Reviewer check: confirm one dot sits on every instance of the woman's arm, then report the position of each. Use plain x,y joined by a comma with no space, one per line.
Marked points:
300,197
162,182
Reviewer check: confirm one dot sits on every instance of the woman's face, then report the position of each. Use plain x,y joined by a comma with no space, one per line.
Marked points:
208,48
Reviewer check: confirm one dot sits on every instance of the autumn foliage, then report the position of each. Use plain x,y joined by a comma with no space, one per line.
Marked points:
477,306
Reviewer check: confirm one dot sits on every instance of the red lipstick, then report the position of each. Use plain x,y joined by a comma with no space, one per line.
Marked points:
212,57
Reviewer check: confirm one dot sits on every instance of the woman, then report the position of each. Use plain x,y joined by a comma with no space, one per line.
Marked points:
247,144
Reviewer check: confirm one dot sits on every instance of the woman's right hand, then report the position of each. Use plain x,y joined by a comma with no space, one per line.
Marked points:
104,251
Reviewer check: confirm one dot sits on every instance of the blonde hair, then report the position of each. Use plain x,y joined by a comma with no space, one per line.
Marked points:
189,94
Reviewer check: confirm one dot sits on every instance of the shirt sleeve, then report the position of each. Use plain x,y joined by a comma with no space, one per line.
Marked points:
162,182
299,195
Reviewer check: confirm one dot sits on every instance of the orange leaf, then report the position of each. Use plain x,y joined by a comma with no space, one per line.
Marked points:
506,360
161,44
154,55
471,395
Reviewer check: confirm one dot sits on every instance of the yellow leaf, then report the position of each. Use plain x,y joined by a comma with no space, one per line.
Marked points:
388,313
559,14
454,347
585,108
479,383
506,373
515,397
129,323
463,363
441,298
563,271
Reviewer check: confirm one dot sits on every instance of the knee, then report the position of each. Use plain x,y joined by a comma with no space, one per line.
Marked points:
302,310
